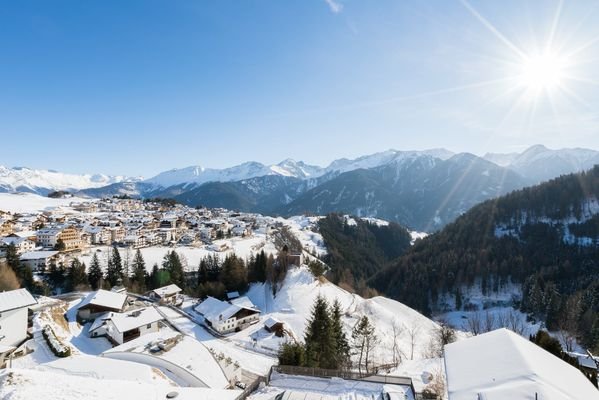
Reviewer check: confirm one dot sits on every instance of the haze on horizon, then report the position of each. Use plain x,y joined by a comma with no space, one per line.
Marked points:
140,87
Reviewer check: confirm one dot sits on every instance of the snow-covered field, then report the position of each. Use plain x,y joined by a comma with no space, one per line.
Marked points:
29,202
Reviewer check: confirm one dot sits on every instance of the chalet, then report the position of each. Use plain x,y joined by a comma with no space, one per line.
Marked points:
39,261
22,245
275,326
100,302
166,294
503,365
120,328
224,317
14,305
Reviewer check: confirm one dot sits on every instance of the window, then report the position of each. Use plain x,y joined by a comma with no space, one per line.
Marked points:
148,326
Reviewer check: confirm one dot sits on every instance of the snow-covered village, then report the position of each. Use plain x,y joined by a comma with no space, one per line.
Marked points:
149,299
299,200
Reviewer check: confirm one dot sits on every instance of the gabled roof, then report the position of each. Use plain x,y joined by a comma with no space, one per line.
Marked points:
215,310
13,299
167,290
503,365
104,298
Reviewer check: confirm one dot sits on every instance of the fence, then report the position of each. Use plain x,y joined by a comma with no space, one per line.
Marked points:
335,373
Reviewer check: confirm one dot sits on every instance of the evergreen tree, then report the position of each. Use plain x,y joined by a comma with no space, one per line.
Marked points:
114,270
95,275
234,274
172,264
159,277
292,354
56,275
319,338
140,275
342,353
76,278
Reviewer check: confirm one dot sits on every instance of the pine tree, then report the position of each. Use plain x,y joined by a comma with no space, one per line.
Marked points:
234,274
319,339
342,357
114,270
95,275
76,278
140,275
172,264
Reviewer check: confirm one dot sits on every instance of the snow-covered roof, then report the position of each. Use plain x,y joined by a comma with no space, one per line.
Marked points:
124,322
244,302
14,299
167,290
14,240
503,365
37,255
104,298
25,234
271,321
214,310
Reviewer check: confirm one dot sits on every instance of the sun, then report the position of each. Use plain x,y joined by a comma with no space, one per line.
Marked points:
542,72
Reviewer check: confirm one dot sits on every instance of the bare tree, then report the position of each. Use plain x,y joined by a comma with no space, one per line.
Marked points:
474,323
396,350
413,332
488,322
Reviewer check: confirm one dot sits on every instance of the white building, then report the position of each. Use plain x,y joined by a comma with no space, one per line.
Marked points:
39,260
503,365
48,237
123,327
224,317
13,316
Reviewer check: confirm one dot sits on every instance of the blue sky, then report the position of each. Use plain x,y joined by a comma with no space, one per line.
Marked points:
137,87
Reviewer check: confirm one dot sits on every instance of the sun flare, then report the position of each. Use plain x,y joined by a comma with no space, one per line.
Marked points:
542,72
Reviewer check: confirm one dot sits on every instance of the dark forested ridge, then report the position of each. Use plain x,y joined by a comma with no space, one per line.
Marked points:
358,251
545,238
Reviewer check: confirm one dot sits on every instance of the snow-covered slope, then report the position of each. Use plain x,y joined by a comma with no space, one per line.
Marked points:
39,181
293,302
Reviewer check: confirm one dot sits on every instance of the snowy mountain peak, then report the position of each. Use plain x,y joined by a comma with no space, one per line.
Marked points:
23,179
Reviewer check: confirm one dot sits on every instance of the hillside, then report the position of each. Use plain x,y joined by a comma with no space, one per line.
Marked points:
294,299
358,249
543,238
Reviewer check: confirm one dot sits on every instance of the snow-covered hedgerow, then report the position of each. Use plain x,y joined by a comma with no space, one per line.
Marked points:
59,349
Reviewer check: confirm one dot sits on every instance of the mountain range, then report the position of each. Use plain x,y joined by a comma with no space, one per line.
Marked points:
420,189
